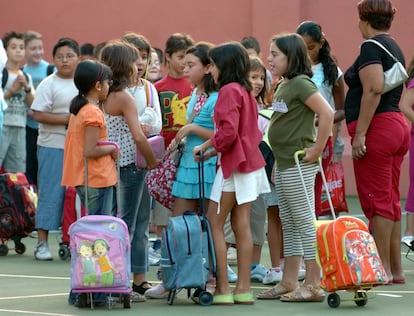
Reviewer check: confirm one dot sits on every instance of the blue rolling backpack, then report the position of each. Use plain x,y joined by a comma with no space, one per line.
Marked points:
187,252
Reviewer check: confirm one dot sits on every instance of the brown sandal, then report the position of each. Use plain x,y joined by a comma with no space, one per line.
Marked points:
305,293
273,293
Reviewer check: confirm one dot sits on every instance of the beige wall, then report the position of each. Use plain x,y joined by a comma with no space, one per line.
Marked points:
213,20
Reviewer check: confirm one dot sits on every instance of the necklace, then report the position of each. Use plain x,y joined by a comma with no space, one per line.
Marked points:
132,91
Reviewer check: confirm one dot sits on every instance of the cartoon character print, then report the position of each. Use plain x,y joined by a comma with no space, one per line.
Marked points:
101,248
179,110
85,252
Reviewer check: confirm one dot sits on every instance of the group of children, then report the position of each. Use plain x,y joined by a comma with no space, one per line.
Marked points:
94,115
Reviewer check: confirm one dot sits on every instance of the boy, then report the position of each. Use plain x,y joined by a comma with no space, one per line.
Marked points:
18,91
51,110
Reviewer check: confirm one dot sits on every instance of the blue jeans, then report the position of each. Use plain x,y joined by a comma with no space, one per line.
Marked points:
134,208
100,200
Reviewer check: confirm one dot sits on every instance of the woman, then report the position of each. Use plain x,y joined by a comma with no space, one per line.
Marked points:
379,133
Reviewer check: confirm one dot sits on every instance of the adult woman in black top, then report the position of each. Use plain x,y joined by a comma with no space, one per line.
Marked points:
379,133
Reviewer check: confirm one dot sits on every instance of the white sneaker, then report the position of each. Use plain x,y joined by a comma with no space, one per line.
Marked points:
258,273
273,275
231,275
153,257
232,255
42,251
157,291
407,240
136,297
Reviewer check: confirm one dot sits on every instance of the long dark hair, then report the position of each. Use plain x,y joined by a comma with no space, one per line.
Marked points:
256,64
201,50
232,61
87,74
314,31
293,46
120,57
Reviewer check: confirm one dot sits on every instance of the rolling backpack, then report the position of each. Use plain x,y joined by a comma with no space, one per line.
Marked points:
187,253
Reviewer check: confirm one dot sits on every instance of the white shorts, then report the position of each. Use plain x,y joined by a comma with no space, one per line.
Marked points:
247,186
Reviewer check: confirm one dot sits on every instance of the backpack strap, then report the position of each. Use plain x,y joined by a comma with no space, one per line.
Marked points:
4,78
50,69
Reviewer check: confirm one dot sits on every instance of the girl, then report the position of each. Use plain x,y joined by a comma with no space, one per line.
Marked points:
86,129
330,83
124,128
200,109
296,101
241,176
153,73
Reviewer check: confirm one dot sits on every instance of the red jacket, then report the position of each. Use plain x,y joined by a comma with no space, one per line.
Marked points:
237,136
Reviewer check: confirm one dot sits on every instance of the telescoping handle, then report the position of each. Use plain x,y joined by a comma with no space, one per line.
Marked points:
201,189
328,195
118,171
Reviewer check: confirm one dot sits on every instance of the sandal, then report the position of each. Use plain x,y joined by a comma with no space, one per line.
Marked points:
142,288
305,293
273,293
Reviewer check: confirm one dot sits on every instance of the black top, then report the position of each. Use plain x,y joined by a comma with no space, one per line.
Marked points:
370,54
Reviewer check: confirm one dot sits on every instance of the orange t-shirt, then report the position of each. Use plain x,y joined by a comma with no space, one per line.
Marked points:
101,171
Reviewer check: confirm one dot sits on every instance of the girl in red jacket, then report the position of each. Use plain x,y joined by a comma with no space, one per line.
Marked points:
241,176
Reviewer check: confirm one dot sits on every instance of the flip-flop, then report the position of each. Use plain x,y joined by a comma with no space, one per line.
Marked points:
273,293
398,281
223,299
304,293
244,298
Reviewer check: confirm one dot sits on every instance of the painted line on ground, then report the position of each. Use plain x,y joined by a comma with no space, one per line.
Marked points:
32,277
16,311
32,296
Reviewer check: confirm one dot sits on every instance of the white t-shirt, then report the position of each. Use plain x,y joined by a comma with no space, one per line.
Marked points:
53,95
149,111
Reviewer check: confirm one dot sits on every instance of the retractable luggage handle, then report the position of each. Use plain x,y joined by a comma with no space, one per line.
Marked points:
118,169
328,195
201,189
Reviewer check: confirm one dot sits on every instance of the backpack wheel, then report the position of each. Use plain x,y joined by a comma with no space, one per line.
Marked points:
20,248
127,300
205,298
4,250
361,298
64,252
333,300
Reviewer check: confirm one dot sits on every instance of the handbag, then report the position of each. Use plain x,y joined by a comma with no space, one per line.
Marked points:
161,179
394,76
156,143
335,181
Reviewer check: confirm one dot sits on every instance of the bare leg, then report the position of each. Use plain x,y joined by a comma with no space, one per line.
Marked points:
313,273
217,224
274,235
382,230
395,252
409,228
290,273
240,222
42,235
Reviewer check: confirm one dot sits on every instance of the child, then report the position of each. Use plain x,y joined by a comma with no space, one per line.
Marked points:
125,129
200,110
86,129
3,61
407,107
292,128
174,92
148,106
153,73
51,110
241,176
18,91
330,83
38,69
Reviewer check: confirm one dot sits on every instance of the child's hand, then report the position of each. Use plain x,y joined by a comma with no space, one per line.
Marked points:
183,132
311,155
153,165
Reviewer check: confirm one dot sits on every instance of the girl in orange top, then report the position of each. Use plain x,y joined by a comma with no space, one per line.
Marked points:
85,135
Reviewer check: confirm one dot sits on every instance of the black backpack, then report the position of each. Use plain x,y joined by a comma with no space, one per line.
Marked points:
50,69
